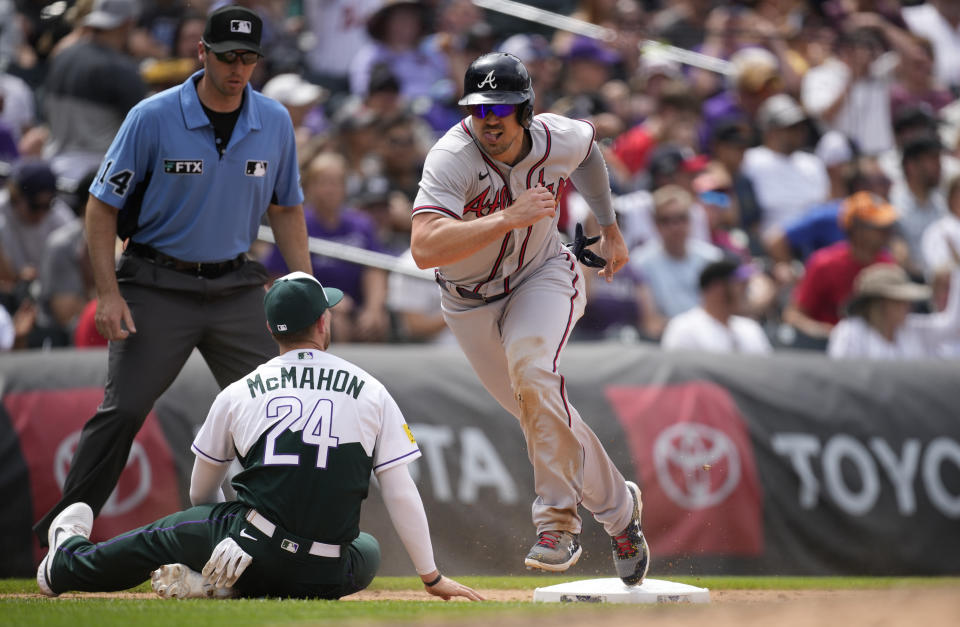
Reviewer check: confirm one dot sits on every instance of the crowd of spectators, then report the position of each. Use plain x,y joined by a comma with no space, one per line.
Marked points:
752,200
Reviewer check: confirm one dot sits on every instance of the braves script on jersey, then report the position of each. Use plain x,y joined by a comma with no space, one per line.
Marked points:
308,428
460,180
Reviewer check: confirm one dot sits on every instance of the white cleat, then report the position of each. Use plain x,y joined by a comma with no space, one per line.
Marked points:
74,520
179,581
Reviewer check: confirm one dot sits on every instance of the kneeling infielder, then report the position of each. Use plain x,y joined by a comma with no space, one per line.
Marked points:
308,429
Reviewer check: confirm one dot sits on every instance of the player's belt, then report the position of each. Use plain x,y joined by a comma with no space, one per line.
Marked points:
464,292
267,528
205,269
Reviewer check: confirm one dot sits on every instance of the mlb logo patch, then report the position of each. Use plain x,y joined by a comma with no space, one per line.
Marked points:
305,355
281,327
241,26
256,168
289,545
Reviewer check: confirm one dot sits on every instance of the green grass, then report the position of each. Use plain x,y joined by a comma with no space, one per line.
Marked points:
155,612
196,612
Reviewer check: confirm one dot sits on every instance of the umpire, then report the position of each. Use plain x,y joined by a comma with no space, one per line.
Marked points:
185,182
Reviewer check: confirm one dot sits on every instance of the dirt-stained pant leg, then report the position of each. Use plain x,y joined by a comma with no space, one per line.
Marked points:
514,345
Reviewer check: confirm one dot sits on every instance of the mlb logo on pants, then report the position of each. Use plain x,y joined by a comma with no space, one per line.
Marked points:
289,545
241,26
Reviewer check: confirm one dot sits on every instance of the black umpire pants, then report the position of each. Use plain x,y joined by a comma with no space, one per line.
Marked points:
174,312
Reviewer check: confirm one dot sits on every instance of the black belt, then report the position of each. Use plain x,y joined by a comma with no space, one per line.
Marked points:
465,293
207,270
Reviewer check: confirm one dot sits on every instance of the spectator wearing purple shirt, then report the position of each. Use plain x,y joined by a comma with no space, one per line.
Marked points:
364,317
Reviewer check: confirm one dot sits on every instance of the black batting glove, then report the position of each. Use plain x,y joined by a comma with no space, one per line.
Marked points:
579,249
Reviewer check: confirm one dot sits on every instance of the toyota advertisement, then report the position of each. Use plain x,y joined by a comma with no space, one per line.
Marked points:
788,464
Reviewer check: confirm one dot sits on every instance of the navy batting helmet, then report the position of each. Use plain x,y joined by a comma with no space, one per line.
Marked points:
499,78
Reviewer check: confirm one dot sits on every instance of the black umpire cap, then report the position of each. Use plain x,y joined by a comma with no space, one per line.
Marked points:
233,28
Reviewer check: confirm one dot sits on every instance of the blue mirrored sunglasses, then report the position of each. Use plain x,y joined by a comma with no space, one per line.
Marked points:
500,110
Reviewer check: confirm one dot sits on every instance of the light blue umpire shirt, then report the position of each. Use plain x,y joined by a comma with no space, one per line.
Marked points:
191,203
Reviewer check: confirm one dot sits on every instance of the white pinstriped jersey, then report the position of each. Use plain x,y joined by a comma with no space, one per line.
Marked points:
461,181
308,428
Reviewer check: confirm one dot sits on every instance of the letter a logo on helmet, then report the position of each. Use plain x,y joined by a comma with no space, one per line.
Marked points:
499,78
489,80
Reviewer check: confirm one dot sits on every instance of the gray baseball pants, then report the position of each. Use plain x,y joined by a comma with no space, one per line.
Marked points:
174,313
514,345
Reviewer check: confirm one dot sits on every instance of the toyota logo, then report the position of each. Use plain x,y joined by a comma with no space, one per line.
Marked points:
116,504
697,466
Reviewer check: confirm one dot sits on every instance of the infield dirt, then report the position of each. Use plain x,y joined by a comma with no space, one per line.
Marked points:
907,607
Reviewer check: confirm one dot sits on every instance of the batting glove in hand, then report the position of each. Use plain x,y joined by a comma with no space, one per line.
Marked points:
579,249
226,564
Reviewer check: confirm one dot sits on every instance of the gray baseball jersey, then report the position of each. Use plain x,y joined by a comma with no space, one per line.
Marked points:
514,343
308,428
462,181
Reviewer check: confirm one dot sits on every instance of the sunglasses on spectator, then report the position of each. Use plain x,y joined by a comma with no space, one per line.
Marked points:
481,111
247,57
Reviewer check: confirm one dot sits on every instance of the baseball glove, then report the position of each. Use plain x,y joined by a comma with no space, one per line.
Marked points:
579,249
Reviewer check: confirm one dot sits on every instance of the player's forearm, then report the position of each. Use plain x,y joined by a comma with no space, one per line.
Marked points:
205,482
290,232
438,241
101,231
402,499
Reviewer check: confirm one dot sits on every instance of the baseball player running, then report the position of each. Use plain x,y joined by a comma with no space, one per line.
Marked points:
486,218
308,429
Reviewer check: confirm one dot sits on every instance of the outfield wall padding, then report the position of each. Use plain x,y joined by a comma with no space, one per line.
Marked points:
788,464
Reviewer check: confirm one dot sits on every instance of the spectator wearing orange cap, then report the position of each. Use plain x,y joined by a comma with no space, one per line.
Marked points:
827,283
880,324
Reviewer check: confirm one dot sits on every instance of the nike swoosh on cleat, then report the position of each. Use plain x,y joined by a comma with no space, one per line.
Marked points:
483,175
244,534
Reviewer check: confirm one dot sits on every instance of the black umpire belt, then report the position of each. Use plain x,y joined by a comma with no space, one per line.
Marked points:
205,269
289,542
465,293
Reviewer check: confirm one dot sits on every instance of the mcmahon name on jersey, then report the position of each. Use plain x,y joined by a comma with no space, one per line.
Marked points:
308,378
